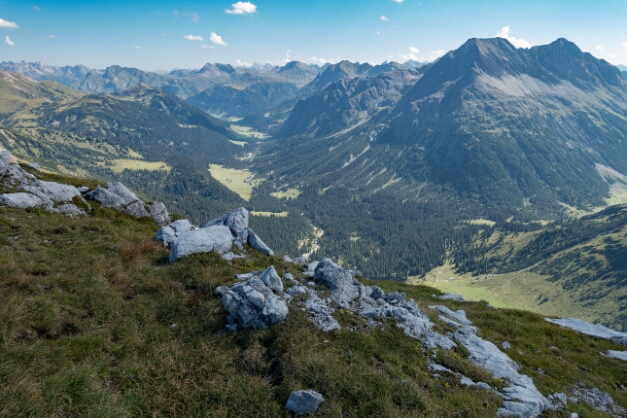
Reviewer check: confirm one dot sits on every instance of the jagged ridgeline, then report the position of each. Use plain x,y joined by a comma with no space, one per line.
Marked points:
98,319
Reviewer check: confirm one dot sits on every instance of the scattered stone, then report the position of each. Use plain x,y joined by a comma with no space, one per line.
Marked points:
217,238
451,296
297,290
586,328
558,401
601,401
119,197
493,307
506,345
344,288
287,259
301,260
256,242
289,277
521,398
35,166
170,232
230,256
83,189
70,209
236,220
619,355
20,200
272,279
320,313
304,402
247,276
5,158
159,213
574,415
251,304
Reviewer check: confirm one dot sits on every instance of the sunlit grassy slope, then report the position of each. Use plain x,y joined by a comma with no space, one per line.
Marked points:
96,323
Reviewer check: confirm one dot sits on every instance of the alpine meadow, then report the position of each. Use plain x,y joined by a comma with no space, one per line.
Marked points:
375,208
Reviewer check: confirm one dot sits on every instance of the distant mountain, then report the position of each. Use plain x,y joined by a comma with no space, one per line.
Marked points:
622,67
515,131
264,68
272,119
217,88
414,64
624,74
348,102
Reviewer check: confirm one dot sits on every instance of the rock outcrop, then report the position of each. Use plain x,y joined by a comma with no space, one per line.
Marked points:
254,304
5,158
20,200
218,235
304,402
119,197
584,327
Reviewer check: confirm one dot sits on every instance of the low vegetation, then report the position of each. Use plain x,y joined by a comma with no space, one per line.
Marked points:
95,322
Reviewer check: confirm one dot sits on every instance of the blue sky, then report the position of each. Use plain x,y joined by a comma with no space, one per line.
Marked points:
151,35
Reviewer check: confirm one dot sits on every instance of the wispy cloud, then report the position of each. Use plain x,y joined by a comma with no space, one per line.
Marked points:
398,1
518,43
384,18
217,39
434,55
208,47
193,38
163,34
319,60
241,8
192,15
138,47
598,47
52,36
625,45
35,8
412,55
5,24
243,64
9,41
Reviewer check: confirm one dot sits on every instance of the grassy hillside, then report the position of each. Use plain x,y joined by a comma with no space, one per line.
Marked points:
96,323
577,267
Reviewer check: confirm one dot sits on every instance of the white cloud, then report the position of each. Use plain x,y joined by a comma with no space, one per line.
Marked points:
208,47
413,51
625,45
163,34
8,25
398,1
378,33
36,8
193,38
51,36
518,43
598,47
192,15
9,41
385,19
319,60
242,64
434,55
217,39
241,8
138,47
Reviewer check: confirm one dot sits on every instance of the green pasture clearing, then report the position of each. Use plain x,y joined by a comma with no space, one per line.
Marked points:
126,164
268,214
233,179
292,193
248,132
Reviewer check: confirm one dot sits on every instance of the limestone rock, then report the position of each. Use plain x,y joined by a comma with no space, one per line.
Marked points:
252,304
170,232
452,296
521,397
122,192
106,198
619,355
256,242
83,189
159,213
216,238
5,158
236,220
344,288
70,209
20,200
35,166
584,327
601,401
319,312
117,196
304,402
272,279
